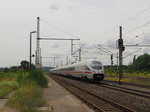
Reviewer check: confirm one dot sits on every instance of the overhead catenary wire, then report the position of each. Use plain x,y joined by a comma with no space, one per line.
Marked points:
107,51
56,27
137,27
126,21
133,53
131,18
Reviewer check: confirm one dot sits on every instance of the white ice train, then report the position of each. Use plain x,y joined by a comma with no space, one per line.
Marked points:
90,69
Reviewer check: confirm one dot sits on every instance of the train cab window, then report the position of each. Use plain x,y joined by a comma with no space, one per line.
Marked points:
96,65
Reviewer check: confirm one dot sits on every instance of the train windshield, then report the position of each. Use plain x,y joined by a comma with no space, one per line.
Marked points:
96,65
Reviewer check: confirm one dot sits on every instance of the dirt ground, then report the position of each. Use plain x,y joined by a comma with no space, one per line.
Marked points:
4,108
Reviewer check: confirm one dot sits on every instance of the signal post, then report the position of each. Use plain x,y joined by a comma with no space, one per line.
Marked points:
121,49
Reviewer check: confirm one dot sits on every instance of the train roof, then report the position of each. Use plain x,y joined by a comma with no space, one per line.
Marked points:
75,64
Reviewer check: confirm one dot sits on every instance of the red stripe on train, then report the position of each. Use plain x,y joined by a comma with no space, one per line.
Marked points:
77,72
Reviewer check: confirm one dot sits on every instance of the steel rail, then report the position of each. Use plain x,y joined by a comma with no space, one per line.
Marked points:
128,83
136,92
115,104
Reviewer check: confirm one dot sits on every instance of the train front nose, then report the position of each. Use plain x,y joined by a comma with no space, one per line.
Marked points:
98,77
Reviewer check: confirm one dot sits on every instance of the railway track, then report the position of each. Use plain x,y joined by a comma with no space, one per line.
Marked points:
139,93
98,102
129,84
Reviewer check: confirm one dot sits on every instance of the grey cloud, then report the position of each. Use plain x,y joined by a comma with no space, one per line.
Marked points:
54,6
146,50
58,55
92,46
55,46
146,39
71,9
111,42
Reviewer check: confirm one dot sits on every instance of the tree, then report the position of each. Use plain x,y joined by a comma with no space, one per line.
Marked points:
25,65
142,63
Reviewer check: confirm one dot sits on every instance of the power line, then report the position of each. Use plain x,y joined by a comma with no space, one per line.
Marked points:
137,27
106,50
135,15
133,53
109,31
56,27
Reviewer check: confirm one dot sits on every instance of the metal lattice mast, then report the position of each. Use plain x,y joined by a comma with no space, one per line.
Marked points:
38,44
121,49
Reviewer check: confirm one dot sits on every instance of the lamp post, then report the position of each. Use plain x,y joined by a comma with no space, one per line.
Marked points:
31,47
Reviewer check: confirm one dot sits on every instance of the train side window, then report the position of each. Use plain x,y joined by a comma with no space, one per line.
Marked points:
76,68
80,67
72,68
86,68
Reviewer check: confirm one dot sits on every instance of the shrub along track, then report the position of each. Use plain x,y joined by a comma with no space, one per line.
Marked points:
98,102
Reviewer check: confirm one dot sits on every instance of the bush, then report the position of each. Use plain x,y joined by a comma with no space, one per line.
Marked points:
35,75
27,97
7,87
22,76
38,77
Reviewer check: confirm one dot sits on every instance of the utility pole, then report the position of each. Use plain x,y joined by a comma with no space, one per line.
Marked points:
67,60
79,51
31,47
111,58
40,58
117,65
71,46
121,49
38,65
80,54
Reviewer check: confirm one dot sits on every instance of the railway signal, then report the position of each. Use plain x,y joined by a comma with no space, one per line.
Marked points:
121,49
111,57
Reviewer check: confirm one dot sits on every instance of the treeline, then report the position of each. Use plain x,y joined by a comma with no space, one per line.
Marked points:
24,66
139,65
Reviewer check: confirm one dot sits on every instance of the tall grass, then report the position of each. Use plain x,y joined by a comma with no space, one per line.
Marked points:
27,97
7,83
29,94
38,77
7,76
7,87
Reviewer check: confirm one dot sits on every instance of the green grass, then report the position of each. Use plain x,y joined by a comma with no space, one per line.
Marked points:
27,97
131,80
28,86
29,94
7,83
7,87
7,76
143,75
38,77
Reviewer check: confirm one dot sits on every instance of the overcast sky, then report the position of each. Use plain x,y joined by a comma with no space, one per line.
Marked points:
93,21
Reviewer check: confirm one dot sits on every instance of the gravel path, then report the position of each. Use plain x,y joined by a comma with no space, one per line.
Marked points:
3,107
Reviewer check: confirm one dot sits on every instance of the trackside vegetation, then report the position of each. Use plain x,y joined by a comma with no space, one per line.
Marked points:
7,83
27,86
28,96
139,69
